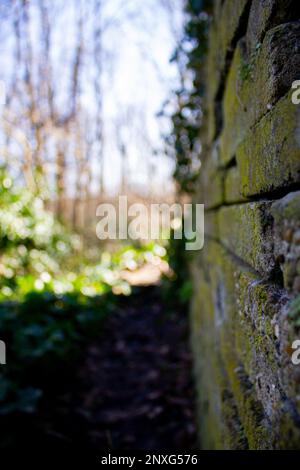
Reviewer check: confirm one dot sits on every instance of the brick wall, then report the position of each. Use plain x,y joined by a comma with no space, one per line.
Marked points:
247,277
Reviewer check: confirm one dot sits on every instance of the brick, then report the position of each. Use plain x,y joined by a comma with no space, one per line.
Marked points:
246,231
240,340
227,23
232,186
266,14
286,233
269,156
255,83
211,185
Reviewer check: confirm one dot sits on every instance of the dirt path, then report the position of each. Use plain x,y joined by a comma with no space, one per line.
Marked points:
137,390
134,389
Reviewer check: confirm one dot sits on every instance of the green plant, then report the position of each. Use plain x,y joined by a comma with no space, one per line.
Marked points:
48,310
183,142
43,332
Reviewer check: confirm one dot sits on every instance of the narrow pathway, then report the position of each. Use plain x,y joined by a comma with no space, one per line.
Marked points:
134,389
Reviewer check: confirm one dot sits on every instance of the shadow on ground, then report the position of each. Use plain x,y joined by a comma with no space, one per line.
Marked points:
132,391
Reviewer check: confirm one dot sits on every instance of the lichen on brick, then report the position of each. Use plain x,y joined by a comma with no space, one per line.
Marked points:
245,312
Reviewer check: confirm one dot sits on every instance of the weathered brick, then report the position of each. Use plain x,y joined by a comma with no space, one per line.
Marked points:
211,185
269,156
262,341
286,233
222,40
232,186
266,14
256,82
248,273
211,225
225,29
246,231
265,235
211,338
240,340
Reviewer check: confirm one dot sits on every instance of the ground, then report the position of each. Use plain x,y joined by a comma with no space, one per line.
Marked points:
133,389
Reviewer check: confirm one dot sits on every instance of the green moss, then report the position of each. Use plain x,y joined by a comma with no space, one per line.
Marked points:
255,84
245,71
250,410
268,158
234,341
294,312
246,231
287,209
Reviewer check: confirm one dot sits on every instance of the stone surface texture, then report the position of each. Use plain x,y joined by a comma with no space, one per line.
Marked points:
245,310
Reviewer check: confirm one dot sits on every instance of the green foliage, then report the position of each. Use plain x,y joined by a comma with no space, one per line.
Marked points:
51,298
43,332
33,244
38,254
183,143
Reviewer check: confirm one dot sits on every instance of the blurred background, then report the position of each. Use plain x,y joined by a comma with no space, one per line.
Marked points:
82,83
97,99
84,89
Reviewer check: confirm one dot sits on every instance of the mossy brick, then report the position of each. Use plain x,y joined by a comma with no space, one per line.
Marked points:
210,120
223,32
245,339
245,276
250,412
257,81
246,231
240,342
232,192
261,310
263,344
218,327
243,320
286,215
211,225
266,236
222,40
208,126
210,314
205,364
234,436
269,156
266,14
217,10
210,189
